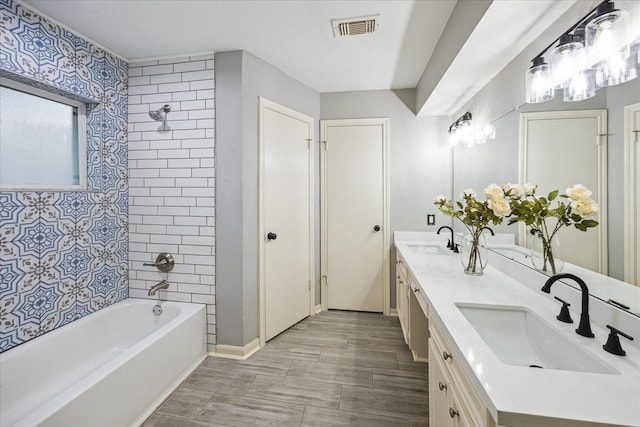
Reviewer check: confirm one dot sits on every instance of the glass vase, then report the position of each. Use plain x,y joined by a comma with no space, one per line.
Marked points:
545,254
473,253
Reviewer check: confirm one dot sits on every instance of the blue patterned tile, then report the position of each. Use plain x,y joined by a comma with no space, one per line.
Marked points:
78,310
103,229
32,304
10,207
10,276
104,281
38,237
74,205
8,234
64,255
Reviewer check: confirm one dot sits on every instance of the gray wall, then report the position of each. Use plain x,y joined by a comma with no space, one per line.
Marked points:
240,79
420,162
503,98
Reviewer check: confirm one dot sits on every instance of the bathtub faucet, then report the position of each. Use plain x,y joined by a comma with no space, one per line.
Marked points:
162,285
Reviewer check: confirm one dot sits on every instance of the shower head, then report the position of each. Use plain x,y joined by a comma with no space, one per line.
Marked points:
160,114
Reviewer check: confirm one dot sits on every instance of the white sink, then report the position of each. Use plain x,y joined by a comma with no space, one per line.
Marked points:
518,336
429,248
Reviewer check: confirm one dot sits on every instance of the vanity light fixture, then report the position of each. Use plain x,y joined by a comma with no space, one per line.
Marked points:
599,50
464,132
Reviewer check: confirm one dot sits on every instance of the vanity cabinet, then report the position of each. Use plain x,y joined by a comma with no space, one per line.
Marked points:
452,399
412,312
402,298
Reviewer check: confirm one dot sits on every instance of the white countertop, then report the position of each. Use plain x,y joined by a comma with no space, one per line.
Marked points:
517,395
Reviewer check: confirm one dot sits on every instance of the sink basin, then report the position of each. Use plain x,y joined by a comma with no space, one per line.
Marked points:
429,248
518,336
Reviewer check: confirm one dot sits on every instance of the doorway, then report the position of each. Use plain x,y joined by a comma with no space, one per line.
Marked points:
286,218
355,215
632,190
557,150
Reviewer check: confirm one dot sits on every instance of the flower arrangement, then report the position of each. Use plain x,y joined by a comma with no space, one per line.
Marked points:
475,215
547,215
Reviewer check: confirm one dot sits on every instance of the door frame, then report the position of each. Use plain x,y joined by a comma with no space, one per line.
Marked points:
601,142
386,232
631,202
264,104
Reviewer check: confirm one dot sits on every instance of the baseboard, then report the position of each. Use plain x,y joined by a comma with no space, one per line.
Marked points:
393,312
317,309
235,352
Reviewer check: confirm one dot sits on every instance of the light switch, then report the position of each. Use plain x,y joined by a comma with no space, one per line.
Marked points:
431,219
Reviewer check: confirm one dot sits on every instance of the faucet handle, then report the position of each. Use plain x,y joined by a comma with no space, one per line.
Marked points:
449,244
456,248
613,341
564,315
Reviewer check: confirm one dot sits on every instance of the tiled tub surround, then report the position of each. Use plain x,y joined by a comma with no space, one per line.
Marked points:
125,362
64,254
517,395
171,184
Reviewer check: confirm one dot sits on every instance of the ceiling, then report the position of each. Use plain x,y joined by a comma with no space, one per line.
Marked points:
296,37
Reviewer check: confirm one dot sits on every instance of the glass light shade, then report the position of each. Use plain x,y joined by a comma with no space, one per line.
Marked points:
582,86
565,62
538,83
616,70
606,35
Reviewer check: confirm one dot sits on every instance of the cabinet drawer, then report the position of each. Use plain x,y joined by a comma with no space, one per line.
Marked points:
468,399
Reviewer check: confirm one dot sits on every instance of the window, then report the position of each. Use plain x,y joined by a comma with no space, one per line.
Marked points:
42,139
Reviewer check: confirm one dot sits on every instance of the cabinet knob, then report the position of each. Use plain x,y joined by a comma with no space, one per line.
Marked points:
446,355
442,386
453,413
416,290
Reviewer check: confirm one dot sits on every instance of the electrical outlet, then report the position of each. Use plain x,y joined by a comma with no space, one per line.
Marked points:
431,219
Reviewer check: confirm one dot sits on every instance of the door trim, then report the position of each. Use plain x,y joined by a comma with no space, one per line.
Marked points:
264,104
631,189
601,141
384,122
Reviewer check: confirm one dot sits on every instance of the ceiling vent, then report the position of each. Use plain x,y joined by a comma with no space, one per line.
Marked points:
355,26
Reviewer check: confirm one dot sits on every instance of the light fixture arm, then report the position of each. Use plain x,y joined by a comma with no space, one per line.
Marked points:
598,10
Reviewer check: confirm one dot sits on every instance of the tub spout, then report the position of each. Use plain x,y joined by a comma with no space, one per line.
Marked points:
162,285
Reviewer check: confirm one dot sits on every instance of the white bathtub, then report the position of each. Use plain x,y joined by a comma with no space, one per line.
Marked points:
111,368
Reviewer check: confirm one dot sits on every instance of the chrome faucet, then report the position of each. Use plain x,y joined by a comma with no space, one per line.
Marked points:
451,245
584,328
154,289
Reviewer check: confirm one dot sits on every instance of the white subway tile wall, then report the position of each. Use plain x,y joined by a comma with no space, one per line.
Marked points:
172,180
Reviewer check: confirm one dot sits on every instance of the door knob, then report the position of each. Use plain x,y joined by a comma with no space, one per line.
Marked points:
376,228
272,236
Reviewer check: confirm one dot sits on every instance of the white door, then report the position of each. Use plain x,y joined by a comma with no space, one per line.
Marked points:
355,229
632,194
560,149
286,217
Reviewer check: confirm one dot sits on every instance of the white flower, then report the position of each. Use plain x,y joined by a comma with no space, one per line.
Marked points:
578,192
467,192
440,199
585,207
512,190
528,189
500,207
493,192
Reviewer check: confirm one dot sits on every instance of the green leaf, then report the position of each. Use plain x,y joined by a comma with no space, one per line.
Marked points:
581,227
589,223
553,195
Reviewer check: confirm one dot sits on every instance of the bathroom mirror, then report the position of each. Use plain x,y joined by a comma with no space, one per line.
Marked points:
498,161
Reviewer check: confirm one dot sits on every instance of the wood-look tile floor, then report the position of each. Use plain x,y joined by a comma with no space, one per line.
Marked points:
336,368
